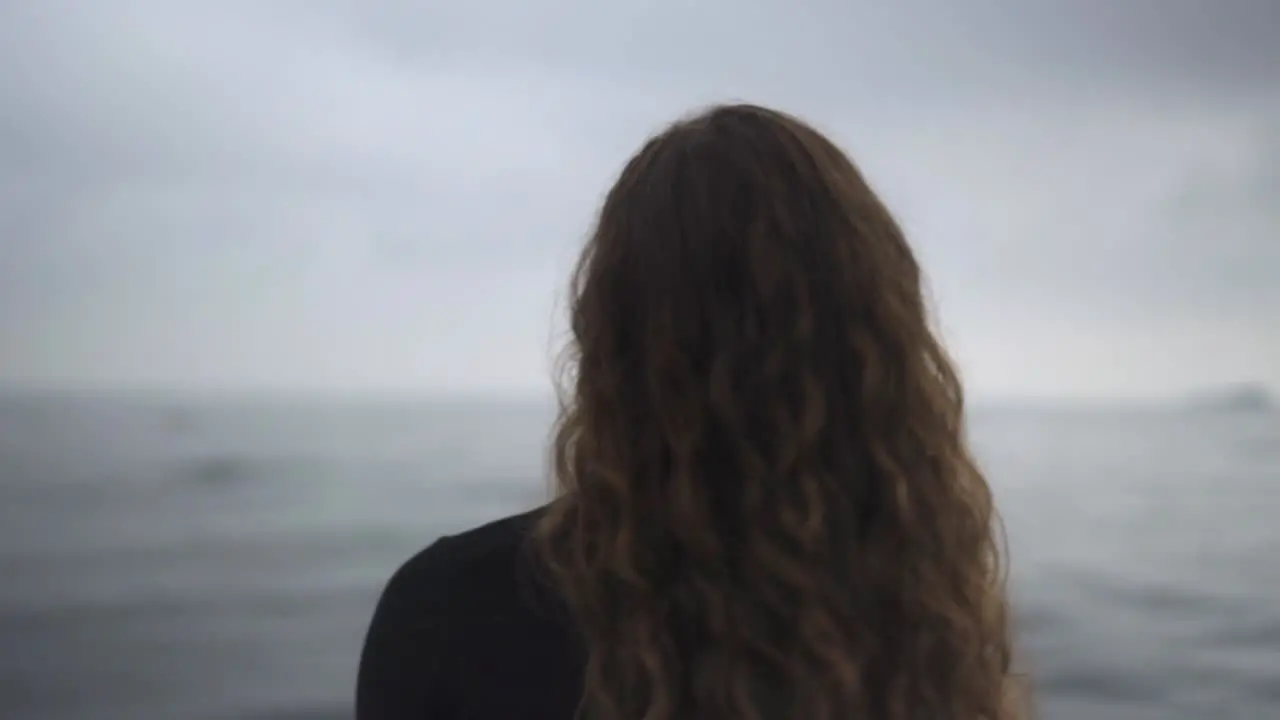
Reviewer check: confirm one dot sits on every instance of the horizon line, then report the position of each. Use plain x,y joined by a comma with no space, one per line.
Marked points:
1206,393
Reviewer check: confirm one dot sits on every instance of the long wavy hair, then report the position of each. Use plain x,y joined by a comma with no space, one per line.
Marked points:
766,506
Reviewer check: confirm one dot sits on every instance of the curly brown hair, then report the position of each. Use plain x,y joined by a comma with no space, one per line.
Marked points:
766,504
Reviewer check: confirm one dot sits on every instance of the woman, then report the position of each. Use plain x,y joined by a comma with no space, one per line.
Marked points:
766,507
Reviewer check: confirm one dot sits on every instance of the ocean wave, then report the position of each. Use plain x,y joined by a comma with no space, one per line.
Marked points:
216,470
335,712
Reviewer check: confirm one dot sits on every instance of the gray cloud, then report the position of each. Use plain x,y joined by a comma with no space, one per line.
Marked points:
385,192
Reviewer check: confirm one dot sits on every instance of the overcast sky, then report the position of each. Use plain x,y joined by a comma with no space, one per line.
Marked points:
388,194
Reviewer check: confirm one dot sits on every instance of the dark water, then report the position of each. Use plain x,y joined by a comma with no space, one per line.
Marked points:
220,560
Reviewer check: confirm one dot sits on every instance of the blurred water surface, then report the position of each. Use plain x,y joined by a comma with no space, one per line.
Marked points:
219,559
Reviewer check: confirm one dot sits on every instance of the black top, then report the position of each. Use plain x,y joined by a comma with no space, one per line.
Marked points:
465,629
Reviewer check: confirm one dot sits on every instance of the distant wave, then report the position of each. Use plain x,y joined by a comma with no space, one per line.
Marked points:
1153,597
1260,447
1256,630
217,470
501,488
152,605
1244,397
320,713
1100,683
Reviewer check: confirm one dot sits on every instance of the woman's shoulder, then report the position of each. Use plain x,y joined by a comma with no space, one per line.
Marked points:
419,637
464,571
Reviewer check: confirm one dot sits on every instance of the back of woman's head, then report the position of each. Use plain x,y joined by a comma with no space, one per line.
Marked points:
766,505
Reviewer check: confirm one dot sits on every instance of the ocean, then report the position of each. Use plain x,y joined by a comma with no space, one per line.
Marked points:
219,559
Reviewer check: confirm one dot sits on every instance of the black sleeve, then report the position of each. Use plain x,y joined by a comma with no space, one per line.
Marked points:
401,674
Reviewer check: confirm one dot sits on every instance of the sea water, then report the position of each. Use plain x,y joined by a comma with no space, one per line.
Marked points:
169,558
